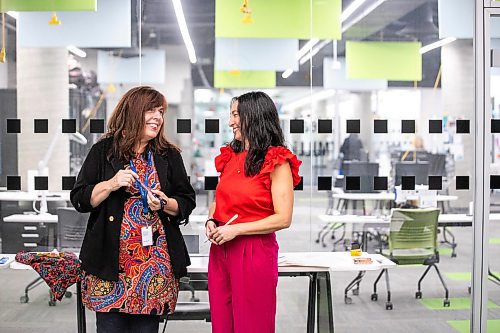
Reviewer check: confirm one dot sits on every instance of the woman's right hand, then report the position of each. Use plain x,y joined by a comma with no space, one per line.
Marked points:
122,178
210,228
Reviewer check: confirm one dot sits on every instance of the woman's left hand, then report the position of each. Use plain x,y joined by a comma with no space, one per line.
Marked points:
154,197
224,234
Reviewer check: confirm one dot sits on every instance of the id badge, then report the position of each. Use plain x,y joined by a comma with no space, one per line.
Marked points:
147,236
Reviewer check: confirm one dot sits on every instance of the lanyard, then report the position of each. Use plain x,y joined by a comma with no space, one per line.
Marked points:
142,190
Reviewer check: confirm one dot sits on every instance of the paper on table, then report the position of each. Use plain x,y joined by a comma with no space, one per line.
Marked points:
304,259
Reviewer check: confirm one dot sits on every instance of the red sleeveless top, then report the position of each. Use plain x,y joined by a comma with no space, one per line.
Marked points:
249,197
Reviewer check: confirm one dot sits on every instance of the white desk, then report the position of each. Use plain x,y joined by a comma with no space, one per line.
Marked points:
33,196
314,265
444,220
30,234
31,218
383,196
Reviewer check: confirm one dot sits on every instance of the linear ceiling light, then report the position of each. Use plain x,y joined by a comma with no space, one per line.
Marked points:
287,73
437,44
307,46
351,9
361,15
311,54
181,20
303,56
76,51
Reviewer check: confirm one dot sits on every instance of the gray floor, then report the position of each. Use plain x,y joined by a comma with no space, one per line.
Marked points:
408,314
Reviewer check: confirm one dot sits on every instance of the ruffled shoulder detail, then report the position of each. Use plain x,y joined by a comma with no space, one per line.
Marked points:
221,160
279,155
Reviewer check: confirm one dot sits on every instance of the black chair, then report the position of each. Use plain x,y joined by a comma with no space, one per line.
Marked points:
193,310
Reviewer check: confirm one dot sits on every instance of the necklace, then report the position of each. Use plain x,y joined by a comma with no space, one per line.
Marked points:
238,163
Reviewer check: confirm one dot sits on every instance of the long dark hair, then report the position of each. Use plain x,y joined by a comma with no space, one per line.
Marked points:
259,126
126,124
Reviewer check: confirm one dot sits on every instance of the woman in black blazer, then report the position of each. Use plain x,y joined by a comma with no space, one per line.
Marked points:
134,184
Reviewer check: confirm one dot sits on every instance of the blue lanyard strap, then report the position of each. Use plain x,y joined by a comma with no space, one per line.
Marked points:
143,191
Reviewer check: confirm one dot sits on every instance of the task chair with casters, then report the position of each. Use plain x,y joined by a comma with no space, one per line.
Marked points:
412,241
71,227
194,309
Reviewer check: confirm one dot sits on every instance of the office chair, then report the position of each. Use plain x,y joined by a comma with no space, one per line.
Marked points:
71,226
194,309
412,241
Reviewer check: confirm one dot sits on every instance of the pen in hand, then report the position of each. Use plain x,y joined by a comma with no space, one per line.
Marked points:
228,222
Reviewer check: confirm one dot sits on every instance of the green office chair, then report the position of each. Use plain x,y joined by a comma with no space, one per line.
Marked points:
412,241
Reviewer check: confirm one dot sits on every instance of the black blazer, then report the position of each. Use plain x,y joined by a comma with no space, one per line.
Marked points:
100,248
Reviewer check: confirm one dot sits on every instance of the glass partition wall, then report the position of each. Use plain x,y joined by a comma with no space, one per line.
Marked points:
379,115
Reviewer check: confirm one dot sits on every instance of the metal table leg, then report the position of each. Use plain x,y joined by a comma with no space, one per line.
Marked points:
311,308
80,310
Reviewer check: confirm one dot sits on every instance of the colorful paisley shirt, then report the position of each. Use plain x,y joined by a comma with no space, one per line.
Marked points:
146,283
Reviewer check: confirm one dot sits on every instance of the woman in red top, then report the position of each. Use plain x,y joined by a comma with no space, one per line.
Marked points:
257,177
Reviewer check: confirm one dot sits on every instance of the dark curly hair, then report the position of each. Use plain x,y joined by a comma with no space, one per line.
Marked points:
260,126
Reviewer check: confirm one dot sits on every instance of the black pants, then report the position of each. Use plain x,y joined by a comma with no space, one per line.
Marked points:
116,322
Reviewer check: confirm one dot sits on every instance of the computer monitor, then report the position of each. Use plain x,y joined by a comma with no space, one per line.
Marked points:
365,170
419,170
414,156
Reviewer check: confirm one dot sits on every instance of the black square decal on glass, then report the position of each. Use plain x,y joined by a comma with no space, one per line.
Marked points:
296,125
68,125
183,125
211,125
41,183
462,182
407,126
495,126
68,182
435,126
380,183
14,183
353,126
211,183
41,125
324,183
408,183
463,126
300,185
353,183
380,126
435,183
13,125
325,126
96,125
494,182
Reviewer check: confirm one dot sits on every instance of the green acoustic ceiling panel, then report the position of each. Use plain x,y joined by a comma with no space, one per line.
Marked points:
48,5
279,19
393,61
244,79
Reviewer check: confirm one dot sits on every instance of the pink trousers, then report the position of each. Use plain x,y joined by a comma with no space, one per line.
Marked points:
242,280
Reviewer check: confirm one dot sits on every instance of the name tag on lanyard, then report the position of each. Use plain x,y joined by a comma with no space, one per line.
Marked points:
147,236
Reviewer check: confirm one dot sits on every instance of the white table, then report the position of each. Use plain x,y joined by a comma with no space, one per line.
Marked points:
33,196
31,233
383,196
314,265
344,199
444,221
